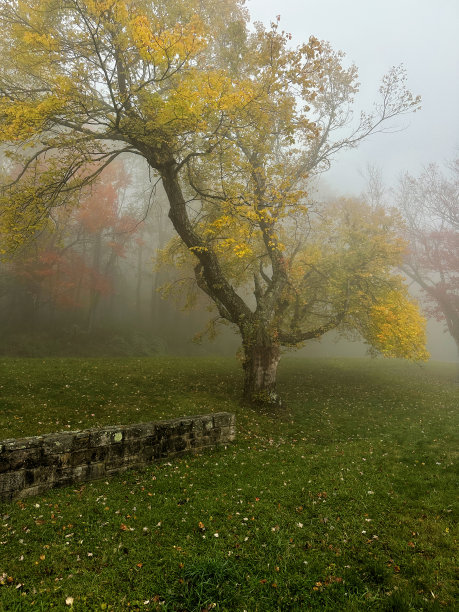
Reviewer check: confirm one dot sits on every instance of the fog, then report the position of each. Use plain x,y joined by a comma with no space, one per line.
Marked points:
421,35
375,35
104,295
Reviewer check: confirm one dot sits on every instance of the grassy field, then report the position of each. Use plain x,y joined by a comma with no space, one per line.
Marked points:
344,501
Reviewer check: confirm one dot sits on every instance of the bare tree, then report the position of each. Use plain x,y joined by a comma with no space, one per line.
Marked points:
430,206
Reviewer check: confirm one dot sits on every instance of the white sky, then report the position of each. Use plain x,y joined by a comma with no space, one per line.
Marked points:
376,35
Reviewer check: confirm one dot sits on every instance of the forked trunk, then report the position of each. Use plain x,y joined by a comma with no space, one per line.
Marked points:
260,370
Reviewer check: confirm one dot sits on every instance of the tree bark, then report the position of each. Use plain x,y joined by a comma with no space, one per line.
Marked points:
231,306
260,372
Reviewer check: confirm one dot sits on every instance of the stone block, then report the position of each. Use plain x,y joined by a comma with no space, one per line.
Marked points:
19,458
207,423
59,443
197,425
51,459
115,452
133,447
221,419
21,443
99,454
39,475
135,432
179,444
63,476
147,453
81,457
12,481
81,473
97,470
5,465
186,426
100,437
81,440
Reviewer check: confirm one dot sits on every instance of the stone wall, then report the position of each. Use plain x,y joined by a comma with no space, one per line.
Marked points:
30,466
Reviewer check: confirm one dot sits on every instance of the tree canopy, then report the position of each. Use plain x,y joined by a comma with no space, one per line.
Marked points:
233,120
430,205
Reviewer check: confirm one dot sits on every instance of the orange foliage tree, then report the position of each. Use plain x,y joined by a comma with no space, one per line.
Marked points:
72,266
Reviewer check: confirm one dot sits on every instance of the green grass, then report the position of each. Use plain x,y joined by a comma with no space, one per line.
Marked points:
343,502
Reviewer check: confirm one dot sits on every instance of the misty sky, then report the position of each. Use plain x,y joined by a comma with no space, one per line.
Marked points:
376,35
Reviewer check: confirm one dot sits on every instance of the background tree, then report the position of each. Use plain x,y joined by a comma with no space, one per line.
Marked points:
430,205
105,224
231,121
73,266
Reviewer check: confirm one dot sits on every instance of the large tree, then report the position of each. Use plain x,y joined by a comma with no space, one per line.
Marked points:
430,205
232,121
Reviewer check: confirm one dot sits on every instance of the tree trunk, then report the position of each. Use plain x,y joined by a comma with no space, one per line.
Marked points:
452,323
138,285
94,295
260,370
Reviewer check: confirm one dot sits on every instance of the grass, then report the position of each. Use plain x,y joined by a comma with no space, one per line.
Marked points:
342,502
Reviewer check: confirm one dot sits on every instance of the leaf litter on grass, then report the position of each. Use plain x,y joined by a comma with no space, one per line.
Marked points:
370,481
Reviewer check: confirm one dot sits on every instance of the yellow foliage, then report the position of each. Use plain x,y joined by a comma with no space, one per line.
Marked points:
21,120
396,328
21,219
225,116
40,40
162,45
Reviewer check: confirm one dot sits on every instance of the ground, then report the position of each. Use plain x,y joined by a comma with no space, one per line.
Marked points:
343,501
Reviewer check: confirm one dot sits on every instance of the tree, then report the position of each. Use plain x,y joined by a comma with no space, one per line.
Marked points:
73,266
430,205
102,219
339,269
231,121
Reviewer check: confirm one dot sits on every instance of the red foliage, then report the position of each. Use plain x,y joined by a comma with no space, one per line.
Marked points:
78,258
